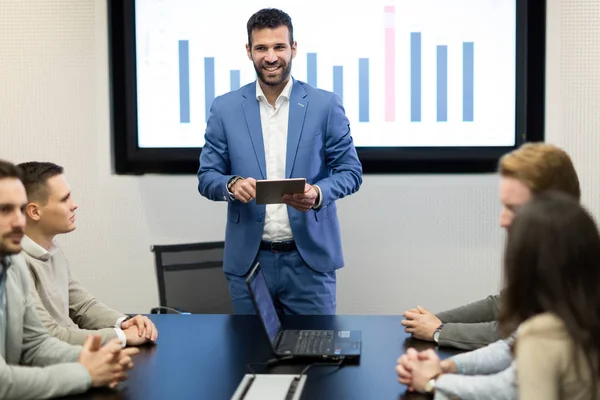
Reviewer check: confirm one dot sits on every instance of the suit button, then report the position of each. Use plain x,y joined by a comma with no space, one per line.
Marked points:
259,218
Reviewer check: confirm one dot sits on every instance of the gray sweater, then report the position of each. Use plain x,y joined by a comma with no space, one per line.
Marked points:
66,309
471,326
486,373
34,365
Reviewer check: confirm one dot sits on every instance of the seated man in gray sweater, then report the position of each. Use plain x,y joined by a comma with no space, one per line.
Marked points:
66,309
532,168
34,365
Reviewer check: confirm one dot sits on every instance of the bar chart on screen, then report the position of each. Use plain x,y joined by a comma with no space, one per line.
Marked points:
408,73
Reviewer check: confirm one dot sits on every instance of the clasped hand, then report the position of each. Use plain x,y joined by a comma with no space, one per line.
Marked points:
108,364
415,369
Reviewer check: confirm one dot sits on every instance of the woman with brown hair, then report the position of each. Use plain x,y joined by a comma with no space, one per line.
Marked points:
552,298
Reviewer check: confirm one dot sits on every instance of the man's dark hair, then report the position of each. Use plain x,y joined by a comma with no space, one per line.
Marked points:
35,177
269,18
9,170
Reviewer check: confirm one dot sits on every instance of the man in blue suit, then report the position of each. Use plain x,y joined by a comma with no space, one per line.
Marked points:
276,128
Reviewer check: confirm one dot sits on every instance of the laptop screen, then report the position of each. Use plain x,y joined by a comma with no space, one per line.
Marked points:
264,302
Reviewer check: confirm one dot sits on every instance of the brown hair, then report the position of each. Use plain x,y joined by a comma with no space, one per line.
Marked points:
35,177
9,170
552,265
541,166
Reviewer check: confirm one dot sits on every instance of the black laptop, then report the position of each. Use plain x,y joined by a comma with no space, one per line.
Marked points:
322,344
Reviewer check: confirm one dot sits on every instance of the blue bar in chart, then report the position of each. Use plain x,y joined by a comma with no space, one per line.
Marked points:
311,69
209,84
234,77
468,84
415,76
338,81
184,82
442,77
363,90
442,83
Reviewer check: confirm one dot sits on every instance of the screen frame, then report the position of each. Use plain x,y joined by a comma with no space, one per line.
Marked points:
129,158
256,273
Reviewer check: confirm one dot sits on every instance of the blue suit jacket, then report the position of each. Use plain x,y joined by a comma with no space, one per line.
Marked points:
319,148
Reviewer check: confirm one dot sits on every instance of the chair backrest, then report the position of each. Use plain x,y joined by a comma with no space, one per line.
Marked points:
190,277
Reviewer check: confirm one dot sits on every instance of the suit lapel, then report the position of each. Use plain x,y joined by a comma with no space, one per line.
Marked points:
252,113
298,106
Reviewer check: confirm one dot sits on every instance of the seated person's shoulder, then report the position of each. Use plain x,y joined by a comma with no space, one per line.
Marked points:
543,325
18,266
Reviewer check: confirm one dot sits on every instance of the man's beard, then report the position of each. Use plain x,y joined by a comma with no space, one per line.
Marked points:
283,73
10,249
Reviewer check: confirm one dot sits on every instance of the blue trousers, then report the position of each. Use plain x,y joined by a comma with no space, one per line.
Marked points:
296,288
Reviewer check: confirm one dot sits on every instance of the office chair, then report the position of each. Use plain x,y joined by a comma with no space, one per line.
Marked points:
190,279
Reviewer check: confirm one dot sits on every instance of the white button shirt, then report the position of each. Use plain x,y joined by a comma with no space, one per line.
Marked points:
274,121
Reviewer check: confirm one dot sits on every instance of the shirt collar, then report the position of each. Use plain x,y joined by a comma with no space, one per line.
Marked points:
36,251
285,93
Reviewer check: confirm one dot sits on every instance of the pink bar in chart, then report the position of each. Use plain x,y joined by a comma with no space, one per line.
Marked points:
389,13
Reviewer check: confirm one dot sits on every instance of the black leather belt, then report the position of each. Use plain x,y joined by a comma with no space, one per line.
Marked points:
278,247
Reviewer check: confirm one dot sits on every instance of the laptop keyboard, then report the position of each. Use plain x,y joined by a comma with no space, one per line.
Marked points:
314,342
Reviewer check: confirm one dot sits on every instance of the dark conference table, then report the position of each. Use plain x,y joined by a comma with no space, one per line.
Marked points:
205,356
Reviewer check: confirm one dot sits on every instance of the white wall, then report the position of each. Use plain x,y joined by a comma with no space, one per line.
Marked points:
431,240
573,88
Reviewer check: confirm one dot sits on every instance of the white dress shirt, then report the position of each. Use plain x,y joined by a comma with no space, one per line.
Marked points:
274,122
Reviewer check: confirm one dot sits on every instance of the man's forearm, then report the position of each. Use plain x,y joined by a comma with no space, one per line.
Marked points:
73,335
468,336
485,310
24,382
78,336
499,386
487,360
86,311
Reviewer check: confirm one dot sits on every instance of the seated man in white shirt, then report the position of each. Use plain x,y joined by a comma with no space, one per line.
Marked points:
67,310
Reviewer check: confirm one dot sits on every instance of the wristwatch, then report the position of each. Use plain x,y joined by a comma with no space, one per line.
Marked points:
231,182
430,385
436,333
